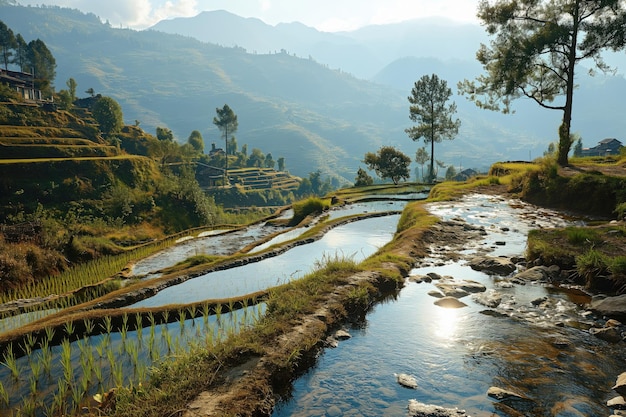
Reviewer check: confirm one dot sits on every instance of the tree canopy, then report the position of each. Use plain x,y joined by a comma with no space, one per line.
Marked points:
536,47
196,141
388,162
108,114
226,122
429,109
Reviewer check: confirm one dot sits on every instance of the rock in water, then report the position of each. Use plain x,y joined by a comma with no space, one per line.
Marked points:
502,394
406,380
450,302
418,409
620,384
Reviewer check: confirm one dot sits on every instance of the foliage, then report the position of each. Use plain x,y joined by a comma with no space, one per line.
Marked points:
603,193
434,119
226,122
108,114
390,163
450,172
41,60
421,157
164,134
196,141
363,178
536,47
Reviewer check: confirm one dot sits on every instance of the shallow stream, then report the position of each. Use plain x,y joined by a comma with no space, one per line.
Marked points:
538,350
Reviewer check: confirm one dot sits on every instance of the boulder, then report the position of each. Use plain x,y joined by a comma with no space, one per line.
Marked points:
610,306
620,384
406,381
450,302
418,409
490,298
502,394
419,278
536,273
610,334
617,403
451,290
435,293
342,335
460,289
491,265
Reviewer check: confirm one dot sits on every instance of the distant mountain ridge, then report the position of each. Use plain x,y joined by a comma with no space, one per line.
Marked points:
363,52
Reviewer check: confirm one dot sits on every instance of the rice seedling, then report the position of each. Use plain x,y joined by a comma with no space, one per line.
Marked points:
139,328
59,402
89,326
66,360
181,320
205,314
33,383
4,396
107,325
68,327
10,362
49,334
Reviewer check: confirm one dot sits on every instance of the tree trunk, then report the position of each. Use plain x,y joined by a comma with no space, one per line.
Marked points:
565,141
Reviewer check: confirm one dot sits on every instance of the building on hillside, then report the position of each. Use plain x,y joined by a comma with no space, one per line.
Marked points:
610,146
23,83
215,151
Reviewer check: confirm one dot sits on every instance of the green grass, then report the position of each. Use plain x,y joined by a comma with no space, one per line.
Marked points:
304,208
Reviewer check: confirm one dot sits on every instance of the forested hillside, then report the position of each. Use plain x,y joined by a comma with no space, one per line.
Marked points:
299,108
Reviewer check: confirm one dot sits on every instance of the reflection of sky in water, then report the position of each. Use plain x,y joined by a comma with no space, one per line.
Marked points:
358,240
457,354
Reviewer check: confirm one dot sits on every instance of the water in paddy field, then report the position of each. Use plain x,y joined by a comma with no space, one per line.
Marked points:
356,240
539,351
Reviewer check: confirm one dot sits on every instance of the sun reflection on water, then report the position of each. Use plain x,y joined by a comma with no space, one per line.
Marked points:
446,323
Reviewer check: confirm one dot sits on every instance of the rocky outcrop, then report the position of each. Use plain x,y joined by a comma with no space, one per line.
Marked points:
609,306
493,265
418,409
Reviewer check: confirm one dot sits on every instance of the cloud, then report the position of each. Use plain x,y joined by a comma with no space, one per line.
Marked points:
137,14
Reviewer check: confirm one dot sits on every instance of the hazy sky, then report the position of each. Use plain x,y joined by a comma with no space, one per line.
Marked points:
325,15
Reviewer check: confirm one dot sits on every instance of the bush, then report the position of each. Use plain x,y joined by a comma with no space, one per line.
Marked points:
302,209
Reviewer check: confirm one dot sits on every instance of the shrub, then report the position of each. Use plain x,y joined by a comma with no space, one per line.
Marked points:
312,205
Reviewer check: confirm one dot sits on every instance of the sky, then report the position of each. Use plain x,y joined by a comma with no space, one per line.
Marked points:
324,15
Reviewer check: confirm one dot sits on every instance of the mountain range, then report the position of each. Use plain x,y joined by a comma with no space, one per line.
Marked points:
320,100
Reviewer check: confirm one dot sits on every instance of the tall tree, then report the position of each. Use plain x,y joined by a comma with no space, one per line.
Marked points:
578,148
8,43
71,87
388,162
108,114
281,163
21,53
421,157
195,140
43,64
226,122
536,47
433,116
363,178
